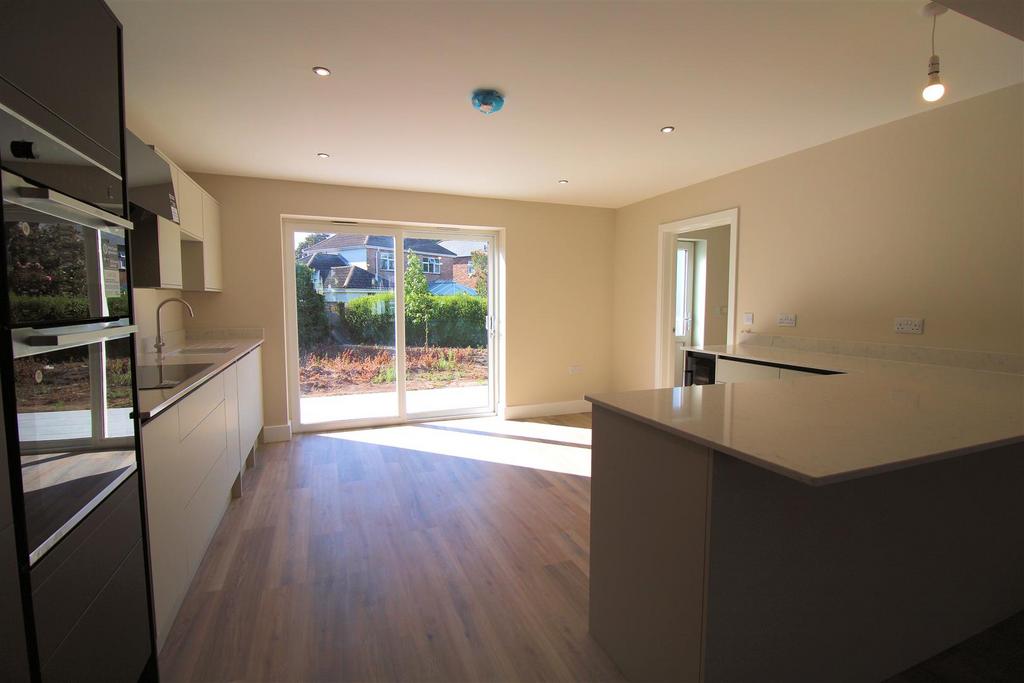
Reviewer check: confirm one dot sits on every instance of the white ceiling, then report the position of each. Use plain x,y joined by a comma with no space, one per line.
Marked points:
226,87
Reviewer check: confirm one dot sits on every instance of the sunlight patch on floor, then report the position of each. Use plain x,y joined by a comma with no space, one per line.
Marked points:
553,448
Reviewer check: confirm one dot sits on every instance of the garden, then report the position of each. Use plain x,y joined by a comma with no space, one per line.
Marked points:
351,349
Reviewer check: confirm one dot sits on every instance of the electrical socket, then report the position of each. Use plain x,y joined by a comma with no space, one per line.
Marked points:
786,320
575,369
909,326
748,318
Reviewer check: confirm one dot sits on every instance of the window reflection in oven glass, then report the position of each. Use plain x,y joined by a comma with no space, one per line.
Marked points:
76,433
61,272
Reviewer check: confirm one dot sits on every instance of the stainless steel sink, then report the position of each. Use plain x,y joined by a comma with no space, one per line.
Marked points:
167,376
201,350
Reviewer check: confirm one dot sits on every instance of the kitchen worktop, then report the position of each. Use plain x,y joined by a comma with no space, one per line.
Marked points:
153,401
819,429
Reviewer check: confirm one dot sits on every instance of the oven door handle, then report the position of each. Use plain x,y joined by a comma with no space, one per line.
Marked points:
66,208
28,341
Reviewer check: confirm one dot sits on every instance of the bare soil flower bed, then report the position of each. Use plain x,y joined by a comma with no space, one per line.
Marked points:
355,369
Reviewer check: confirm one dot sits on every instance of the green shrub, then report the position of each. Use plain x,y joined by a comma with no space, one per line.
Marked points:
457,320
35,307
371,319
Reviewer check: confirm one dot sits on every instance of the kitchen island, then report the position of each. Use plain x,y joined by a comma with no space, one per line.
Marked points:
820,528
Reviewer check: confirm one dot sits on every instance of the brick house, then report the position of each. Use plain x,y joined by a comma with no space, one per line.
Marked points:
347,266
462,264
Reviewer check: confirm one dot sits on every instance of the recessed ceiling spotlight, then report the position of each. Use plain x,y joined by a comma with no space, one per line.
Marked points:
668,129
323,155
563,181
321,71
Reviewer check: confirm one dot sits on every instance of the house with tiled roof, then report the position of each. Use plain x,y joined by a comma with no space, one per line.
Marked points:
347,266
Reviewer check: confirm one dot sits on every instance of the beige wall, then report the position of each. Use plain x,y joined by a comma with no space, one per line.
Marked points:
146,301
920,217
558,289
716,288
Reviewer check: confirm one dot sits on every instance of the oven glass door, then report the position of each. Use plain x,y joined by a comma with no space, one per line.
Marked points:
59,271
76,434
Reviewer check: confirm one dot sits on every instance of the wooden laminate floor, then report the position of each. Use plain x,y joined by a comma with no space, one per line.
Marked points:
349,561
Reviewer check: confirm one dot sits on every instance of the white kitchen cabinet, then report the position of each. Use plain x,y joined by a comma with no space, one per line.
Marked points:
235,457
201,261
156,254
187,491
193,455
728,371
788,373
250,400
167,526
190,207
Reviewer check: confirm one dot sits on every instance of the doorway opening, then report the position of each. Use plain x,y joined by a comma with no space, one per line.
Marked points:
390,323
696,289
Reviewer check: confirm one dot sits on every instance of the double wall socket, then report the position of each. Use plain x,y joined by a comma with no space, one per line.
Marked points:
909,326
786,320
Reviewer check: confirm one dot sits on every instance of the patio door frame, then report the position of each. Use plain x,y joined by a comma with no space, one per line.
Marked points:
399,231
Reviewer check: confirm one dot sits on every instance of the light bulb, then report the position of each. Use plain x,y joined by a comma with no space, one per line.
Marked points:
934,91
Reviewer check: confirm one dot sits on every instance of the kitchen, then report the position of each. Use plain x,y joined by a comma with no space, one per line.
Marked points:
169,511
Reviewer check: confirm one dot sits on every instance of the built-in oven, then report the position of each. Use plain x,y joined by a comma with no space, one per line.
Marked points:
66,260
76,429
69,325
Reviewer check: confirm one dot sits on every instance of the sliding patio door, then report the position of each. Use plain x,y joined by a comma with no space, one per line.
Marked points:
448,325
382,336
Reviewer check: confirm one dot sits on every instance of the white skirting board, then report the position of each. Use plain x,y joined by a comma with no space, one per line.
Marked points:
273,433
544,409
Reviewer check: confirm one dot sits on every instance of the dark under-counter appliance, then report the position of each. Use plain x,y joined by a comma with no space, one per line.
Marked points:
699,369
74,557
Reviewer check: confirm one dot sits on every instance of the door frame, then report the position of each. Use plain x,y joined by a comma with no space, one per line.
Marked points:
668,233
291,223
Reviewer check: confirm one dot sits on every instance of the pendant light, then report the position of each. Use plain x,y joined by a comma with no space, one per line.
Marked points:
934,89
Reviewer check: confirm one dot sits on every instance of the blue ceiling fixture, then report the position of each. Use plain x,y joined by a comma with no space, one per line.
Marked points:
487,101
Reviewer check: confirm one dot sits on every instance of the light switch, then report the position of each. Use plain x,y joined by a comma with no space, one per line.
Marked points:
786,320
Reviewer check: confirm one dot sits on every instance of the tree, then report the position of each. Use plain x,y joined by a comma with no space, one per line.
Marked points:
418,302
479,261
308,241
311,318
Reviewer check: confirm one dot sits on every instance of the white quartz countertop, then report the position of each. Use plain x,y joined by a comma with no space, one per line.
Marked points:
819,429
153,401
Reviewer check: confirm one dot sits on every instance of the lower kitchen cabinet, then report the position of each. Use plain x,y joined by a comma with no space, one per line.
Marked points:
250,400
728,371
193,459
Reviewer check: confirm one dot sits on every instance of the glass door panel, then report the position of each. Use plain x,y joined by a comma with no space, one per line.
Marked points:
448,324
345,314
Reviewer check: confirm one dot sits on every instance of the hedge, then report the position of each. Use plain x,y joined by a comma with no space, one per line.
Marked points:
456,320
31,308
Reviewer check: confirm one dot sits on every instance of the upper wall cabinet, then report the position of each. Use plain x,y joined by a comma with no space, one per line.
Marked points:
186,256
56,55
156,253
201,261
190,207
